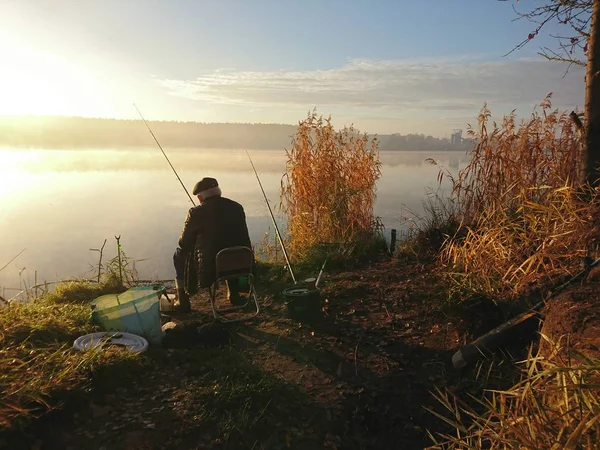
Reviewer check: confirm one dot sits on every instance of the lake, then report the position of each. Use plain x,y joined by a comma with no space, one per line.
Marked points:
59,204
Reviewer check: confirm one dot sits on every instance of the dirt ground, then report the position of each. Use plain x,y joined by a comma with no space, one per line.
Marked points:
572,320
359,378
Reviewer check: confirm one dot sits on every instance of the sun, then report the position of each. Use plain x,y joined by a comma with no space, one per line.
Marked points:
36,79
32,82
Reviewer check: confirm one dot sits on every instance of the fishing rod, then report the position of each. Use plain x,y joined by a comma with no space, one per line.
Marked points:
320,274
287,260
164,154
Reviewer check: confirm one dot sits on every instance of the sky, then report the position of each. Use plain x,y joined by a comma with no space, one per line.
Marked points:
386,66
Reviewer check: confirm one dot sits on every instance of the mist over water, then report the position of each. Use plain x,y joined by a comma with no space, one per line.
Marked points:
59,204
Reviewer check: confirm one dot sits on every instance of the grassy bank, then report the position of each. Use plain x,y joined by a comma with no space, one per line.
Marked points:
40,370
363,375
357,378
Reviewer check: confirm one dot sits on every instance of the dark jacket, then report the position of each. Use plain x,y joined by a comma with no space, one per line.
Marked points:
210,227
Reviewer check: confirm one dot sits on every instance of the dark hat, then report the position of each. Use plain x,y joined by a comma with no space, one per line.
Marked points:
204,184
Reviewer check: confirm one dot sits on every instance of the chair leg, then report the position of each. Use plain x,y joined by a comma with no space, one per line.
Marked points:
212,294
217,311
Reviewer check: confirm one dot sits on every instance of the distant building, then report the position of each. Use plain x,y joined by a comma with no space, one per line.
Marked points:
456,138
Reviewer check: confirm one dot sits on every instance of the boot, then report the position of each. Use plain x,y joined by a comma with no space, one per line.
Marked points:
183,299
233,293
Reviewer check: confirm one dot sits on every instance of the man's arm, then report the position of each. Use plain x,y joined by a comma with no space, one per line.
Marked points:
187,240
244,228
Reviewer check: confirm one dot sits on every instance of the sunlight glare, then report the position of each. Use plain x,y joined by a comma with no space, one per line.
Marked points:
40,83
12,175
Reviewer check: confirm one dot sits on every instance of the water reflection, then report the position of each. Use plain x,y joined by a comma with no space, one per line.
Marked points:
59,204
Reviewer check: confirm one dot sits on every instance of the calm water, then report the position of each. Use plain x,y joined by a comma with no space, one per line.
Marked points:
59,204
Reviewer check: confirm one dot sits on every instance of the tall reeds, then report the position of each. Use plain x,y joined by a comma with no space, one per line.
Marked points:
328,190
523,218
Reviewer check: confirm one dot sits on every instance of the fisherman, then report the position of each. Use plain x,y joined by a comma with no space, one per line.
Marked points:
215,224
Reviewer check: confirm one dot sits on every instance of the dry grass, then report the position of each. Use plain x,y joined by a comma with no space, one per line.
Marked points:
39,368
328,190
513,158
519,204
556,405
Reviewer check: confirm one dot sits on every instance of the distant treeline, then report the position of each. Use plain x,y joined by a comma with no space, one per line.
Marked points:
80,132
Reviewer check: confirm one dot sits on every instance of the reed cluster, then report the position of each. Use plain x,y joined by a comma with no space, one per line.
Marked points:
328,189
523,218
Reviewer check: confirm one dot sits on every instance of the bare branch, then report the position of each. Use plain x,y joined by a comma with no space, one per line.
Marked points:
552,55
573,13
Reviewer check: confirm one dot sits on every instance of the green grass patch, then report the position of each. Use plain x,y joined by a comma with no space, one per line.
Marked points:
40,370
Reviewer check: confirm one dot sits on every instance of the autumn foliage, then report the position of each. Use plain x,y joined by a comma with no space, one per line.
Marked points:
523,218
328,190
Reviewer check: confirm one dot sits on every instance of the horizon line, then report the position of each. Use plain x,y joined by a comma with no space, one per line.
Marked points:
62,116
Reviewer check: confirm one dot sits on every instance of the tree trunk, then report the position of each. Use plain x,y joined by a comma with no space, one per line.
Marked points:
591,150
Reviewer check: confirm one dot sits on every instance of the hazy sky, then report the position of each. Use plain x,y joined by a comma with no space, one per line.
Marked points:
386,66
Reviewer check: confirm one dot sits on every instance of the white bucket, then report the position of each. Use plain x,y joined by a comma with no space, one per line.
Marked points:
167,303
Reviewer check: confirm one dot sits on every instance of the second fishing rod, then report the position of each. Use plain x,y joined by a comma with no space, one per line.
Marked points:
285,254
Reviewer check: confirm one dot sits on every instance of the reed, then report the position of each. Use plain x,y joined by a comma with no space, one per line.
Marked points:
523,220
328,189
555,405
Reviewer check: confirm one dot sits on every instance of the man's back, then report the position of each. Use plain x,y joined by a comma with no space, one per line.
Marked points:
222,223
216,224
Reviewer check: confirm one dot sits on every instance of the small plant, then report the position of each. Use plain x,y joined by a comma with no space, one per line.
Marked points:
269,250
430,231
119,272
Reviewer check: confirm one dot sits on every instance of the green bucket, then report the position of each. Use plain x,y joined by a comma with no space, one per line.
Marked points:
303,302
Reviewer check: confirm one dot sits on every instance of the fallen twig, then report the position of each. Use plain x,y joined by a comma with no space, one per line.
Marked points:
263,411
387,312
355,353
276,343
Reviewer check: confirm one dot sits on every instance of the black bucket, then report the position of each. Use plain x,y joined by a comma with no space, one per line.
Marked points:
303,302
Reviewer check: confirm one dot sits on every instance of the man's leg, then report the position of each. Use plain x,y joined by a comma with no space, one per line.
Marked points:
179,260
233,291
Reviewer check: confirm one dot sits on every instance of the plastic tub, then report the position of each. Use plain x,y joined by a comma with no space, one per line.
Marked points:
136,311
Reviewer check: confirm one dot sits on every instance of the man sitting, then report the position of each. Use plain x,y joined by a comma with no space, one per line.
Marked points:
215,224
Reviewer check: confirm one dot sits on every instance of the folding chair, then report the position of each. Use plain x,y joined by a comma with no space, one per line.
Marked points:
233,263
